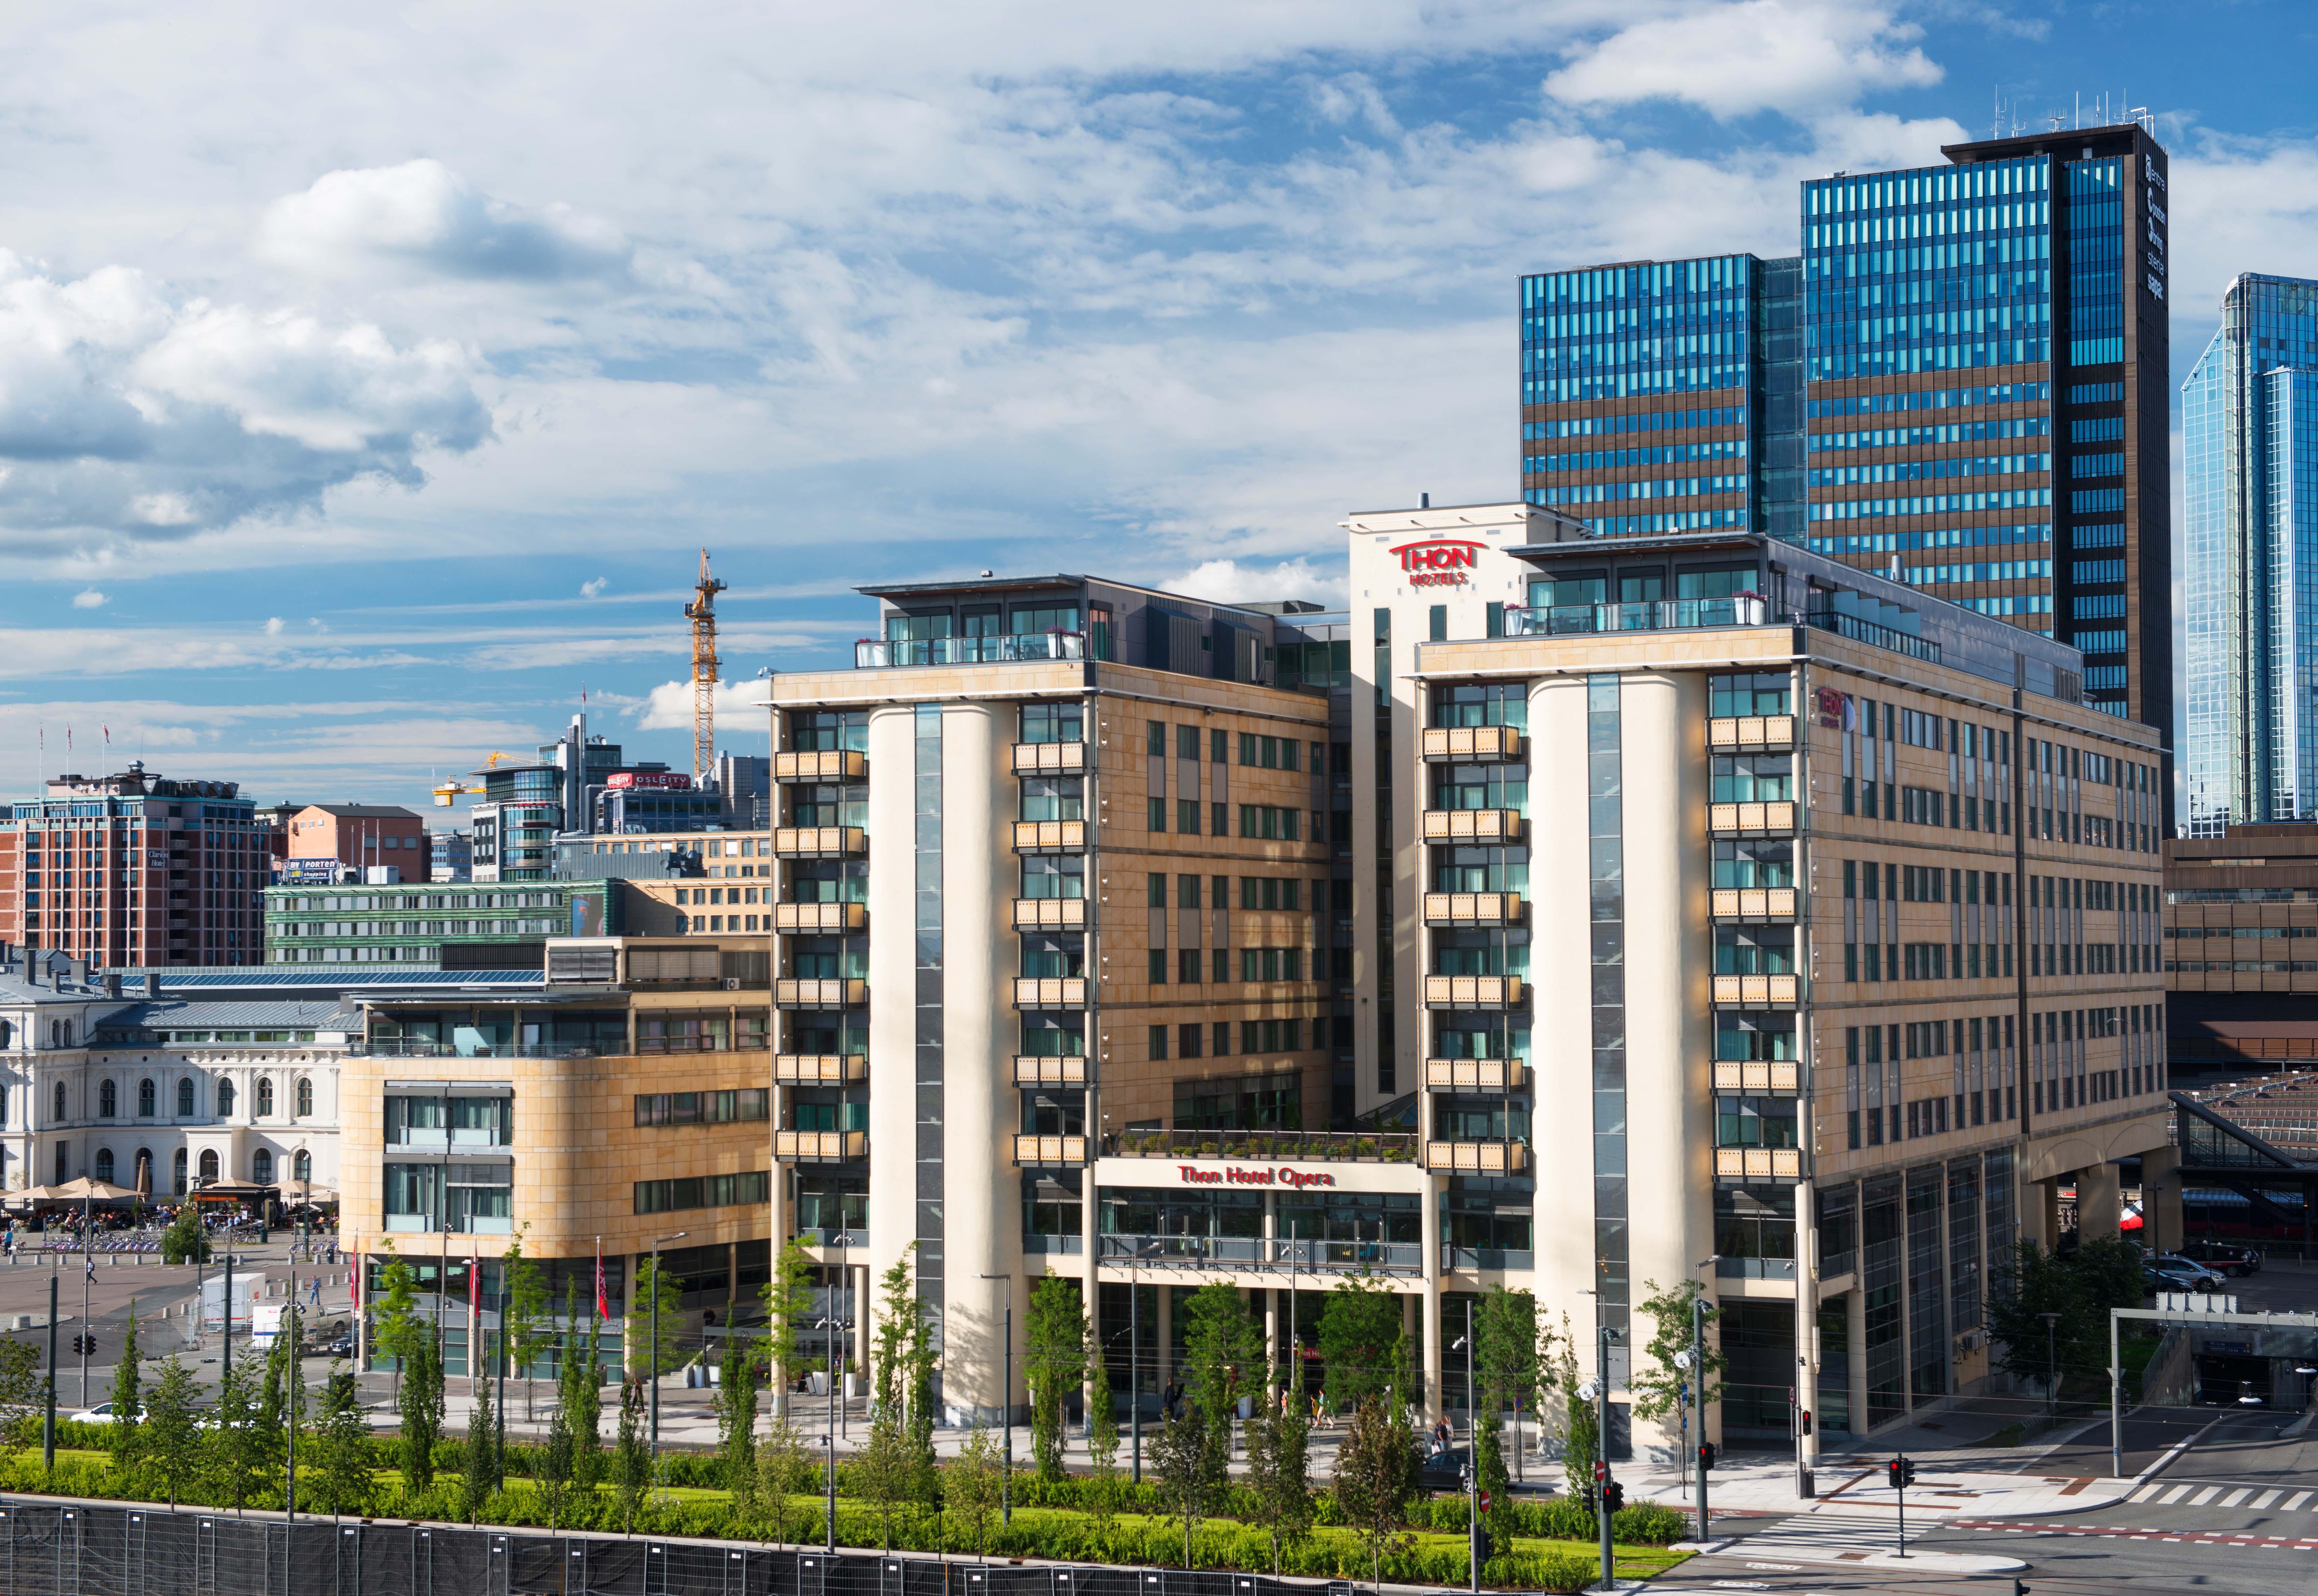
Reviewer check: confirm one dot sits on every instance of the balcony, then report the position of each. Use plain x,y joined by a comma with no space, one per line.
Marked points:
1751,819
1749,734
1050,914
1478,1158
821,916
1665,615
1754,991
821,994
1474,992
820,1147
822,765
1299,1255
1049,1070
1386,1147
1049,758
820,1069
871,653
1778,1075
1039,1152
1050,837
1036,992
1474,908
820,842
1472,743
1475,1075
1758,1163
1472,825
1754,903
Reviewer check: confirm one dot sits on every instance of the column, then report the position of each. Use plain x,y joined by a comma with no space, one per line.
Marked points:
981,1225
1807,1318
1855,1332
2161,1199
1429,1305
2096,1203
1164,1333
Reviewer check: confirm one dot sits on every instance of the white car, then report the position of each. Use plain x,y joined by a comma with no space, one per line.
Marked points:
102,1414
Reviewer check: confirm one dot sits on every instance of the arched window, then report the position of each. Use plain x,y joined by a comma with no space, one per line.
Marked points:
261,1167
225,1100
302,1168
305,1098
180,1163
209,1165
7,1033
264,1097
144,1095
61,1100
108,1100
105,1163
185,1098
67,1032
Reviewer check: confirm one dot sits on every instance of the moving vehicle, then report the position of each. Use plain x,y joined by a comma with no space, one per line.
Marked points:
2220,1255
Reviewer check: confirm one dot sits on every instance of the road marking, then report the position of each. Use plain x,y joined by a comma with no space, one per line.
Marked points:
2265,1499
2224,1538
2295,1506
2234,1497
2204,1496
2176,1492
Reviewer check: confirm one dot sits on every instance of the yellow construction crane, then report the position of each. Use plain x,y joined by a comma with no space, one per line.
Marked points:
448,792
702,613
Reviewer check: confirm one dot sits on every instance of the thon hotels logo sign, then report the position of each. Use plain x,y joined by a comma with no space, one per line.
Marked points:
1440,563
1233,1175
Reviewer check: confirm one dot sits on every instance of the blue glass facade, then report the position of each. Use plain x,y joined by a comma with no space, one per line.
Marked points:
2249,437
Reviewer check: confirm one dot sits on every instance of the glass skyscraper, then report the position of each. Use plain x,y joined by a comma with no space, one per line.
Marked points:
2250,460
1961,377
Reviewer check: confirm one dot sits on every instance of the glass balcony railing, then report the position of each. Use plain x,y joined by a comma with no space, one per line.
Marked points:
1751,817
1754,903
821,916
1758,1163
1473,909
820,1069
820,842
1261,1252
1053,992
1049,758
1472,825
1475,1075
1032,1153
1049,1070
872,653
1050,914
1752,990
1472,742
1747,734
1302,1146
833,993
1474,992
811,1147
1672,614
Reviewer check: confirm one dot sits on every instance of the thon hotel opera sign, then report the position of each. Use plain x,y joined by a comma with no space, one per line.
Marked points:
1232,1174
1439,563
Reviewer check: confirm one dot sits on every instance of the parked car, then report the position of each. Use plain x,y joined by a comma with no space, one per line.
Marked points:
2219,1255
1443,1471
2191,1266
102,1414
2175,1278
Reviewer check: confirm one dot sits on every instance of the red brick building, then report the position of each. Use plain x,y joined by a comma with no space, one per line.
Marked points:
363,835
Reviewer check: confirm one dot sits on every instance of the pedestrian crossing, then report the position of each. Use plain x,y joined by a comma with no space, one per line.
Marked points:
1841,1537
2252,1499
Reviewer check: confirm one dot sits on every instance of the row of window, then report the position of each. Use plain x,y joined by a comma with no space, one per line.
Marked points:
1256,751
459,928
407,903
103,1166
749,1187
1199,1040
1256,964
108,1100
704,1107
1257,821
1946,432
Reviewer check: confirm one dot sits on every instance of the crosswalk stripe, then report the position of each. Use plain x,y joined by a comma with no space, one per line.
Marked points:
2176,1493
2204,1496
2235,1497
2265,1499
2145,1493
2295,1506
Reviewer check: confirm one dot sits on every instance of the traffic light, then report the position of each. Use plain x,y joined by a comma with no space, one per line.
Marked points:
1484,1548
1902,1473
1806,1413
2019,1588
1706,1454
1585,1499
1613,1495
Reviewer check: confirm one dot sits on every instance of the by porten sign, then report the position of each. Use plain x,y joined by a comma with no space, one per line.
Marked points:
1233,1175
1443,562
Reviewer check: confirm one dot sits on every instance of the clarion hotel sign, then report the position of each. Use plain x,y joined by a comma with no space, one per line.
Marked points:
1441,563
1232,1174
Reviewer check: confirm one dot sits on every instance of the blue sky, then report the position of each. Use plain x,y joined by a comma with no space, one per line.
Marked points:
369,377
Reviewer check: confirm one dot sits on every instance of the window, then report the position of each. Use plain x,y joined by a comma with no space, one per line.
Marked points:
108,1100
225,1100
264,1097
302,1168
1437,623
177,1172
1155,737
186,1098
60,1101
1748,693
145,1098
103,1166
208,1166
749,1187
305,1098
1052,722
1156,1043
261,1167
1270,822
1268,753
1187,742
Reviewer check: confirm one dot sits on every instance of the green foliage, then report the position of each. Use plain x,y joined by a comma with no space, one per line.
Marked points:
347,1471
1576,1427
480,1472
1363,1347
735,1403
1221,1347
184,1241
903,1378
1658,1389
2081,1287
526,1333
396,1328
631,1455
975,1485
1376,1479
579,1392
420,1404
647,1359
23,1388
173,1446
1055,1365
558,1460
1279,1473
1187,1470
788,1314
1102,1442
784,1466
128,1396
886,1470
238,1450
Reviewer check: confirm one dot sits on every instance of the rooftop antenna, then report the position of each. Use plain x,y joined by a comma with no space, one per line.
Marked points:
702,613
1996,112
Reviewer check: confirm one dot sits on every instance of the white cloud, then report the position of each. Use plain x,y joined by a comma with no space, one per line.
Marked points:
88,599
589,590
422,214
739,706
1230,581
1793,56
273,626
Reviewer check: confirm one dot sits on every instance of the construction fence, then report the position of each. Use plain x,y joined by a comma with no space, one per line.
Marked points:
105,1549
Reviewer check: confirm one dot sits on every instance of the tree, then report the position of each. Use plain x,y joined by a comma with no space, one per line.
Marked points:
784,1467
1055,1365
557,1460
1183,1467
173,1444
1280,1472
579,1392
184,1241
529,1336
884,1470
1364,1349
1658,1390
631,1455
789,1316
23,1388
735,1403
903,1377
1376,1477
347,1473
239,1451
1102,1442
1507,1340
1221,1345
294,1383
420,1404
2082,1288
128,1397
976,1484
1578,1428
645,1358
480,1471
396,1327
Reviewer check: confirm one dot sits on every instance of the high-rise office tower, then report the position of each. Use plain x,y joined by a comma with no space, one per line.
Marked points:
1979,365
2249,458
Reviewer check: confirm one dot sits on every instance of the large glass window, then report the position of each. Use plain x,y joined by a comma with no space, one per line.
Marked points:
1052,722
1053,1113
829,804
1482,703
1748,693
1053,1036
1030,619
1053,876
1753,861
1745,778
1053,798
1480,787
1753,950
820,731
828,958
1754,1122
1049,956
829,881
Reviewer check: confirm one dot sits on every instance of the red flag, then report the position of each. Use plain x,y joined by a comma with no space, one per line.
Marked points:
474,1282
603,1305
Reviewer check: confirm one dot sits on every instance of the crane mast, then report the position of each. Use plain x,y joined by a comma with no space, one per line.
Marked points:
702,613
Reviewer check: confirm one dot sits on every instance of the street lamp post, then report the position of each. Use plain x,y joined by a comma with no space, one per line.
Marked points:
1134,1373
2051,1366
651,1353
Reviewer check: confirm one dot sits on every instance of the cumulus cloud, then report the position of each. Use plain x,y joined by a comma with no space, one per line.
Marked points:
273,626
589,590
130,411
1731,60
1232,581
668,707
88,599
423,215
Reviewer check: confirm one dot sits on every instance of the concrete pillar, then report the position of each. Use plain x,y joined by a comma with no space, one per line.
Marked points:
892,1220
1271,1301
1430,1305
1855,1330
2096,1203
2162,1225
1163,1334
1807,1351
2040,1213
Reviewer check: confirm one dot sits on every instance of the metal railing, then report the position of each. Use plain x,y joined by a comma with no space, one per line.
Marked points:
1868,631
871,653
1285,1146
1261,1252
403,1047
1669,614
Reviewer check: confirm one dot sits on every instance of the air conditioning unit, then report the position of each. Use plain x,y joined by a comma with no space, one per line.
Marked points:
731,983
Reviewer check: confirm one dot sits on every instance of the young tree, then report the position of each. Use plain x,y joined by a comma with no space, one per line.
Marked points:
529,1335
1507,1338
1364,1349
173,1444
884,1470
789,1317
975,1484
646,1359
238,1450
735,1403
1183,1467
293,1384
1221,1347
784,1467
349,1474
273,1398
128,1398
1578,1428
1376,1477
1279,1473
396,1325
631,1455
552,1480
420,1404
2082,1288
184,1241
1055,1365
480,1470
1102,1442
22,1390
1658,1390
579,1392
903,1378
